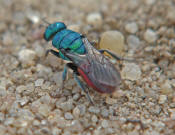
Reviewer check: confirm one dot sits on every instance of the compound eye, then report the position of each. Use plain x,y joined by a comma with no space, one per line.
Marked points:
67,49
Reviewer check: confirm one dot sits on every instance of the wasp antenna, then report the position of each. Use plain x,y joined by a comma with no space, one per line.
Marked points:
44,20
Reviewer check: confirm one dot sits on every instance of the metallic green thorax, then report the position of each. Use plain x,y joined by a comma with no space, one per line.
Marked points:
64,38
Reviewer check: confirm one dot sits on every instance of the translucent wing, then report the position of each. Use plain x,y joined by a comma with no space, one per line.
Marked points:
100,70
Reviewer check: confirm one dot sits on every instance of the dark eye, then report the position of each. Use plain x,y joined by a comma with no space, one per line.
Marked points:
67,49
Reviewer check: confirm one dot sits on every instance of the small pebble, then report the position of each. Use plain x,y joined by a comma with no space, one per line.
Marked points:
44,110
134,132
20,122
150,2
68,116
76,126
3,26
46,85
82,109
76,96
110,100
172,105
39,82
66,106
46,99
150,36
9,121
3,91
39,50
94,19
7,39
133,42
131,71
162,99
67,133
2,116
104,124
170,15
166,88
152,132
93,109
158,125
43,122
33,17
172,113
131,27
43,70
57,77
27,55
21,88
23,101
36,122
94,118
56,131
76,112
155,110
113,40
104,112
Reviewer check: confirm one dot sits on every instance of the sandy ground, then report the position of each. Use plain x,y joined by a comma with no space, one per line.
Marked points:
30,99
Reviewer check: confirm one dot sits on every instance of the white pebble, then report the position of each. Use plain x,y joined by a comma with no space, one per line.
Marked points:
39,50
9,121
150,2
133,42
39,82
44,110
162,99
56,131
131,71
150,36
76,112
93,109
68,116
27,55
2,91
21,88
131,27
172,113
66,106
94,118
166,88
104,124
58,78
33,17
36,122
94,19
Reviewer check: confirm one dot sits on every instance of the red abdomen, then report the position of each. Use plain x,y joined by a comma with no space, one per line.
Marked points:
102,88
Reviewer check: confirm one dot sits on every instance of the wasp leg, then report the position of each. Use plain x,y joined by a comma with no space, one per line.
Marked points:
93,43
64,74
53,52
83,87
114,55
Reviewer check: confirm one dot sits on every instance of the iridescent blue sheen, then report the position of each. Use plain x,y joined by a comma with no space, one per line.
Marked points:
64,38
52,29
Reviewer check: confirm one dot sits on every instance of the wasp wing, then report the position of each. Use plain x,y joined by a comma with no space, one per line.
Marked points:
95,68
100,70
